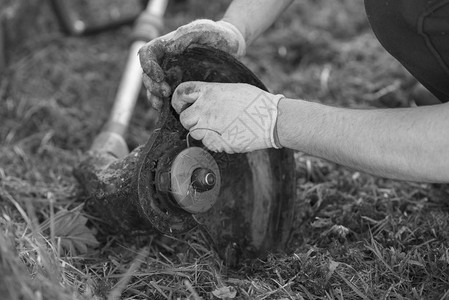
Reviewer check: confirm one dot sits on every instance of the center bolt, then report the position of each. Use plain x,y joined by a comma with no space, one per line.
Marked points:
203,179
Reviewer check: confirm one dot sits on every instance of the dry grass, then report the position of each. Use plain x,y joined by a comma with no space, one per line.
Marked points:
355,236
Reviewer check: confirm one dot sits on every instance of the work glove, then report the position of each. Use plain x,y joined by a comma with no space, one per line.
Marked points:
229,117
221,35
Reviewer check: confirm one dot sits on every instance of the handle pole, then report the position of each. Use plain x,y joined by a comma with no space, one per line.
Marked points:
111,139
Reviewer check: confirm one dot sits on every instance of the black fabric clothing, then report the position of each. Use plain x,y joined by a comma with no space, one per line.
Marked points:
416,32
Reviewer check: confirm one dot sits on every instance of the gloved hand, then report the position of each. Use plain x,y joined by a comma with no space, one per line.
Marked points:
221,35
230,117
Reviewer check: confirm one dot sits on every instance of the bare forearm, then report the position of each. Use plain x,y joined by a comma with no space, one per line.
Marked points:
408,144
252,17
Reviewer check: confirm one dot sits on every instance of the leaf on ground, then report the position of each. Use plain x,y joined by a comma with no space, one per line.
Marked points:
332,267
70,227
226,292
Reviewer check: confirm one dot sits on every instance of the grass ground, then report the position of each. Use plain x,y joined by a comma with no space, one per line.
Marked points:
355,236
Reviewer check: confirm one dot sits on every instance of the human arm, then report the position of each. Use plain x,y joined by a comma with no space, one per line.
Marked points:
404,143
253,17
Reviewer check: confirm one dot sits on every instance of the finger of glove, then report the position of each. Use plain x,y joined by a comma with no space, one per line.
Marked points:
197,132
189,117
150,56
159,89
154,100
213,39
185,94
219,40
210,144
186,35
214,142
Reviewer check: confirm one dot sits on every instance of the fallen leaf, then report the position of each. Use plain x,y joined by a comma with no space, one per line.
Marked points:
70,228
226,292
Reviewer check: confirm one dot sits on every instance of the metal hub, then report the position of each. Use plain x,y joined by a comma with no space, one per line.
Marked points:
195,180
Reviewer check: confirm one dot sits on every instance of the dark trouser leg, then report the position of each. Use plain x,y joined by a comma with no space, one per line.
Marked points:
417,34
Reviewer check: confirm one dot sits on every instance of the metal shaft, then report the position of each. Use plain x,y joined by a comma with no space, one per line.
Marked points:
111,140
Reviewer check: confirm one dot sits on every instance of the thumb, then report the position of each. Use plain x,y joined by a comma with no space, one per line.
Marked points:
150,55
185,94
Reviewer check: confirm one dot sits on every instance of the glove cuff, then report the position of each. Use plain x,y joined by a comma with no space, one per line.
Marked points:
240,39
274,139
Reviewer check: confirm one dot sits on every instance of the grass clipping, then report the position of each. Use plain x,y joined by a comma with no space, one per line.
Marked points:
354,237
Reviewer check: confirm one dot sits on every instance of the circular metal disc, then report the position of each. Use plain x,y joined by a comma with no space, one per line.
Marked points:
182,190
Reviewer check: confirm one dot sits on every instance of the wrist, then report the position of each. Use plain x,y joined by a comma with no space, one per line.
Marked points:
274,137
277,142
277,128
291,125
